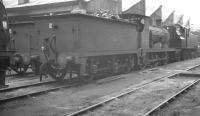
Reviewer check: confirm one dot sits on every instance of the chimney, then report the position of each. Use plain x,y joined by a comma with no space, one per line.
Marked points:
22,2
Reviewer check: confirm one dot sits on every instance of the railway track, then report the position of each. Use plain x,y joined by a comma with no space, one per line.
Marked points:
15,78
97,105
25,74
170,99
9,94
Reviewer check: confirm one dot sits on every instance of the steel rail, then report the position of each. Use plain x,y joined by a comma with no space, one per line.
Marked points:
92,107
171,98
40,83
34,84
38,92
27,73
49,82
71,85
25,86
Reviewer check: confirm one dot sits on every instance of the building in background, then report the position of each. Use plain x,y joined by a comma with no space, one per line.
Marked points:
169,20
156,17
137,8
173,19
141,8
39,7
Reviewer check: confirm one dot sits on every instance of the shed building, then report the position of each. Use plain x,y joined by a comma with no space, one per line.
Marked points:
38,7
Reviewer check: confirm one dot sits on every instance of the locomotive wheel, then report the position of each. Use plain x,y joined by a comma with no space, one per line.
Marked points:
130,65
115,68
156,64
48,68
128,68
165,62
93,73
57,74
20,69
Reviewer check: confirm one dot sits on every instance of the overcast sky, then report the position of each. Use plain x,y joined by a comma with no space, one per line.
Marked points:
189,8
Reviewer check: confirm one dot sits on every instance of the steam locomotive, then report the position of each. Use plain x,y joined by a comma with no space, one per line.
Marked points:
86,45
5,51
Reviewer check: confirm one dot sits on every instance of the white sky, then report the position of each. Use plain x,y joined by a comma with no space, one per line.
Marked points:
189,8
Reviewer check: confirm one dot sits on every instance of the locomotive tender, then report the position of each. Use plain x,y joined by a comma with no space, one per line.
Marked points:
89,45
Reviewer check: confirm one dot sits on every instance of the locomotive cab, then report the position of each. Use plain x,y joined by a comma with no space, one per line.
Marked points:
177,36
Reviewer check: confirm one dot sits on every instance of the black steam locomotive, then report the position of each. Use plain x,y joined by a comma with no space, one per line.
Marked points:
5,51
91,45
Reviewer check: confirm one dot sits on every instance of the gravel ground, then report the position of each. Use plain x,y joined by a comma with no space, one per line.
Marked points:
144,99
68,100
28,90
186,105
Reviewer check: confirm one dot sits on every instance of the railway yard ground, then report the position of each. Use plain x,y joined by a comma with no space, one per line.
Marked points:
69,101
188,104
